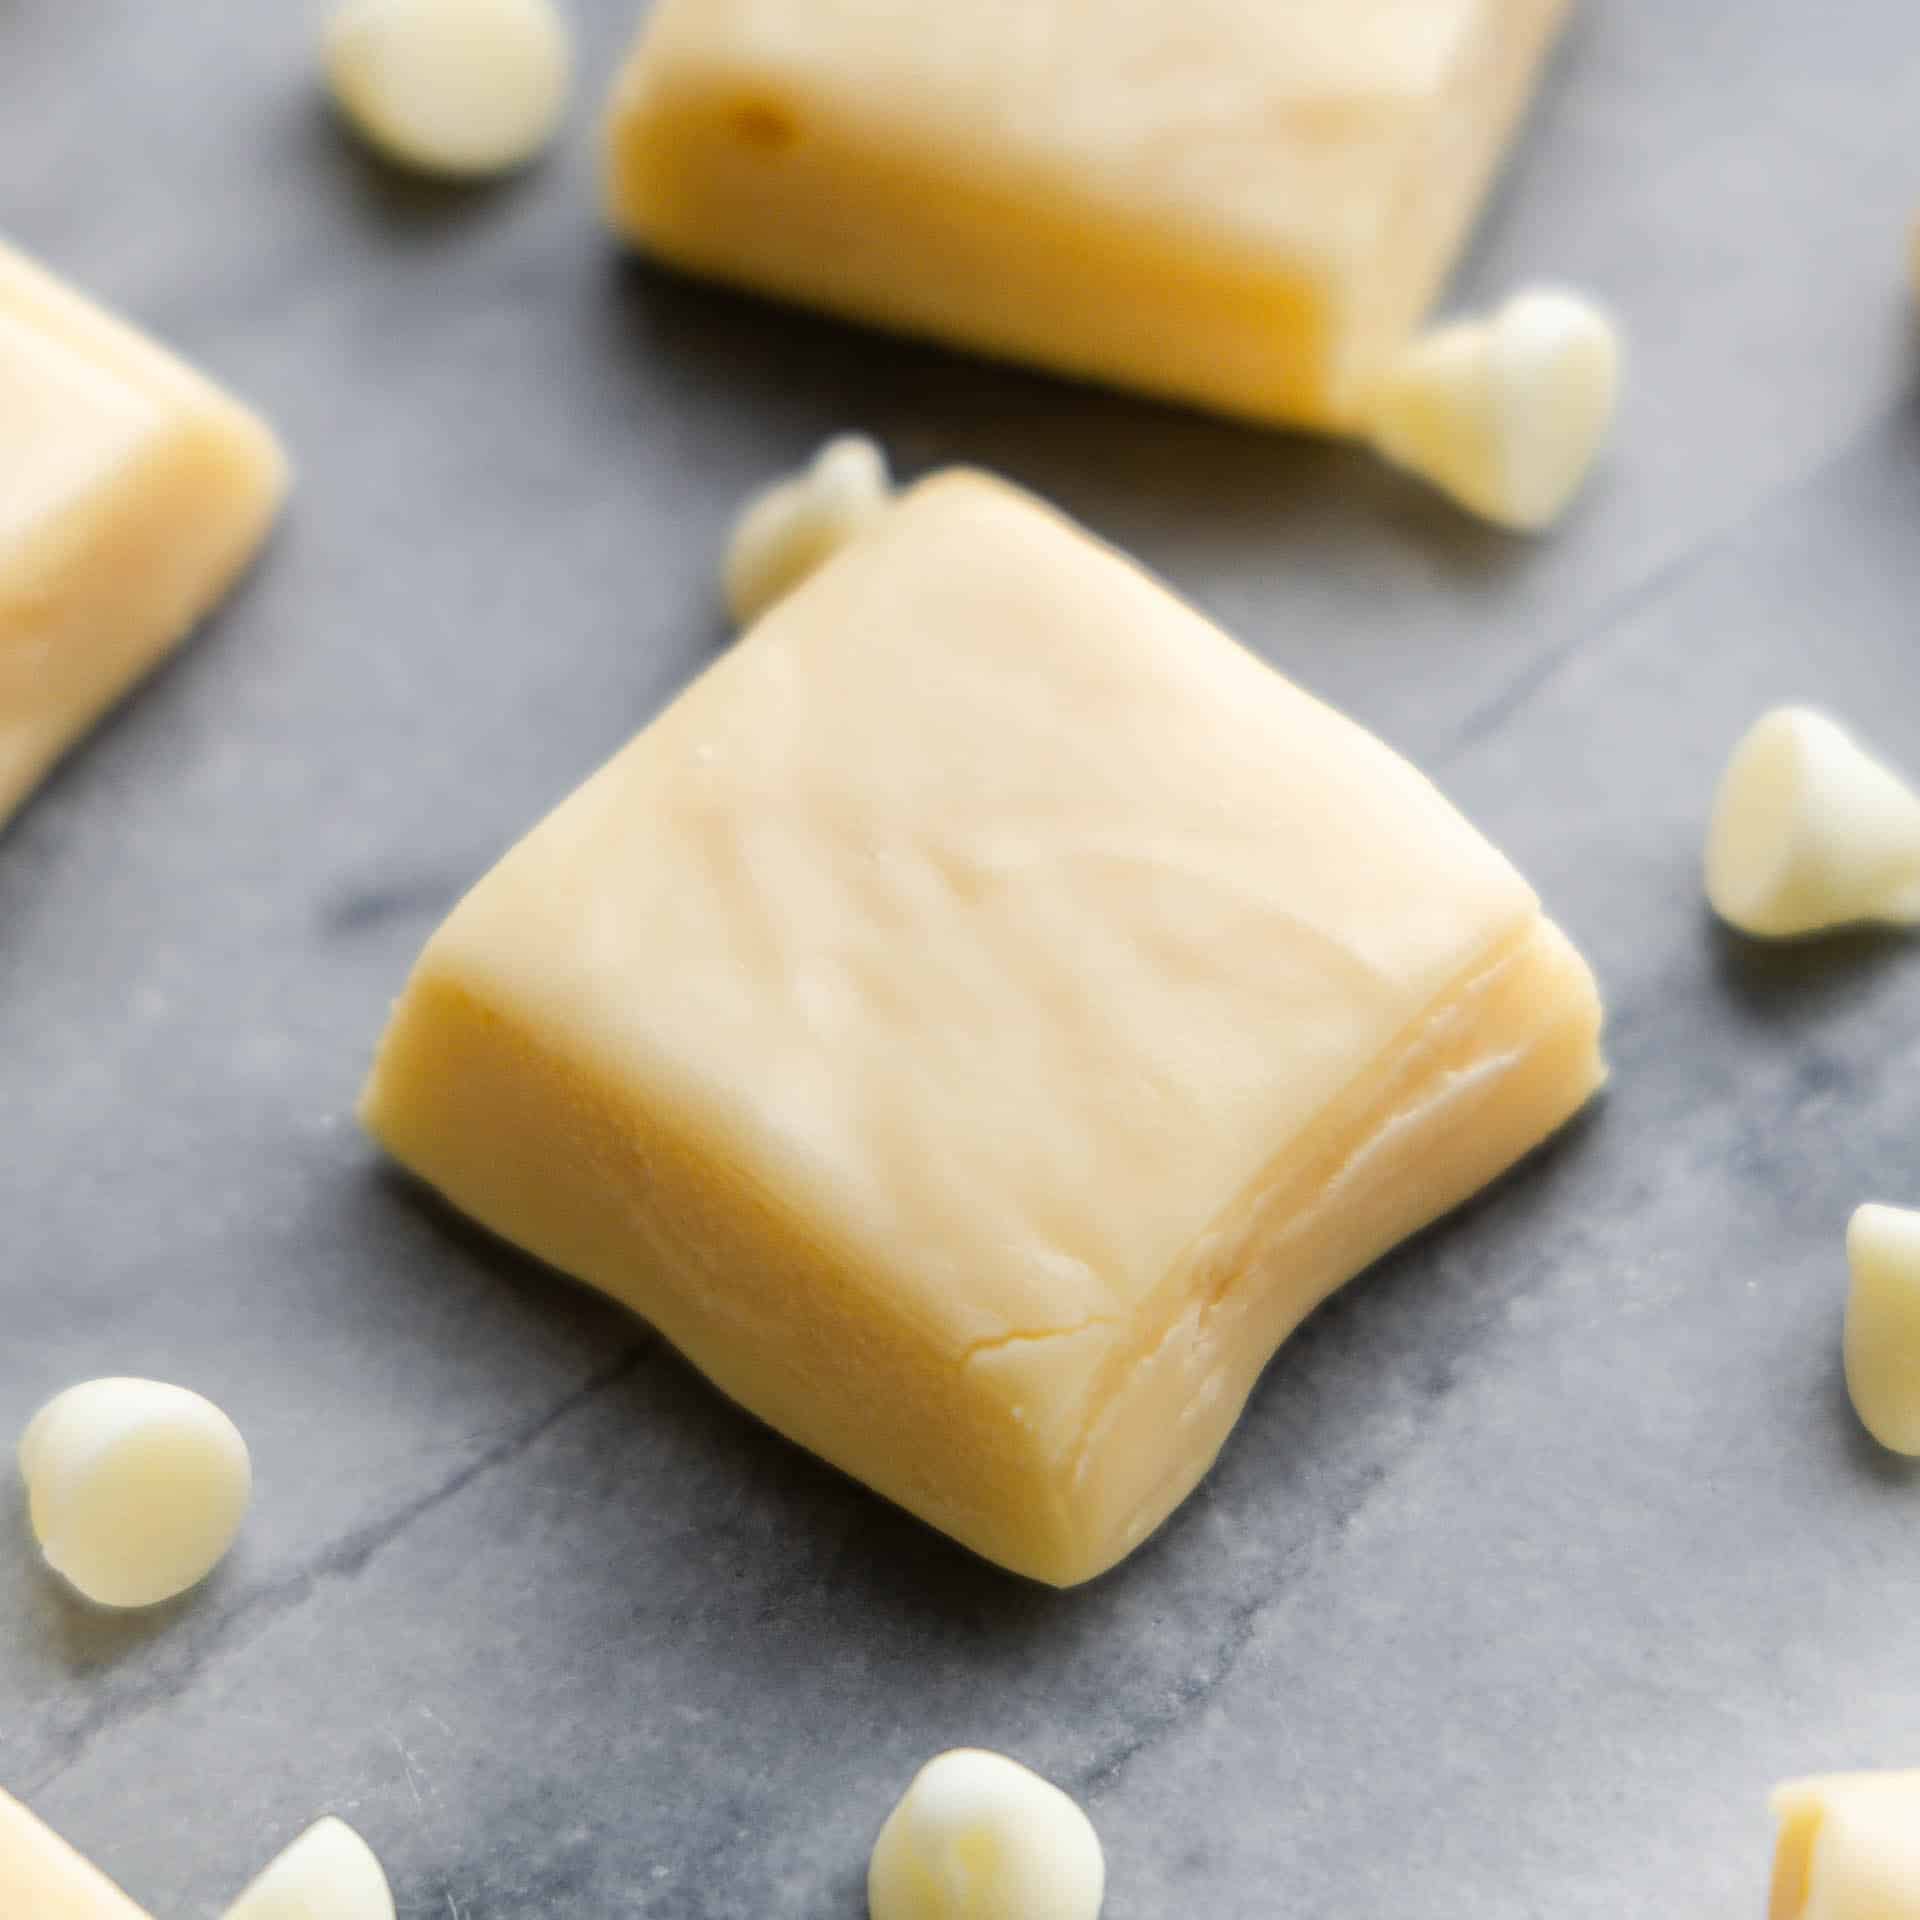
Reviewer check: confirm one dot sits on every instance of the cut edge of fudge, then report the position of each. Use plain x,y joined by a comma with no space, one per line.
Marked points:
129,563
504,1128
1490,1072
715,167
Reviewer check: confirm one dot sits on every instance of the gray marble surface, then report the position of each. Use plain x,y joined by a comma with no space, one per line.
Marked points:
1541,1553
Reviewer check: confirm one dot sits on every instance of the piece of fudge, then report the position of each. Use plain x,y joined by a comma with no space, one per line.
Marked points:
1848,1848
980,1018
1245,204
42,1878
132,491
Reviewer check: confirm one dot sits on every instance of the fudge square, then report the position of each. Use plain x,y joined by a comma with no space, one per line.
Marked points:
132,492
42,1878
1243,204
978,1021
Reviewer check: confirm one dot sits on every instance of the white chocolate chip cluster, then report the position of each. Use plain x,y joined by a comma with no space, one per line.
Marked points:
135,1491
1811,832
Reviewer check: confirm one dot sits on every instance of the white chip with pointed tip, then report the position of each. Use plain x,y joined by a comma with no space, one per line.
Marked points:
795,526
1810,832
135,1489
1505,415
464,88
329,1873
980,1837
1883,1324
1849,1848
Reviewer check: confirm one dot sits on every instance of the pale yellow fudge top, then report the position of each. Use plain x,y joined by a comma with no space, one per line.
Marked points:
35,298
1284,124
70,429
1005,933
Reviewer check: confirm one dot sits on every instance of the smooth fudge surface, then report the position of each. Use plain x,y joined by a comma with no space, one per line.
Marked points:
132,492
980,1018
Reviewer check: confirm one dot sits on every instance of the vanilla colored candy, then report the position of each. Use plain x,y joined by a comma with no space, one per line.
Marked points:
329,1873
463,88
1849,1848
980,1837
799,524
1883,1324
135,1489
1810,831
42,1878
132,492
1246,204
1506,415
980,1018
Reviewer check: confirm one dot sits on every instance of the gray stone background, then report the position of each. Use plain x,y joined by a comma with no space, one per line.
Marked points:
1540,1554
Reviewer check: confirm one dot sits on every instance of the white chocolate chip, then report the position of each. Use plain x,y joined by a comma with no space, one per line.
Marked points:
1810,831
979,1837
1883,1324
135,1489
1849,1848
798,524
329,1873
456,87
1505,415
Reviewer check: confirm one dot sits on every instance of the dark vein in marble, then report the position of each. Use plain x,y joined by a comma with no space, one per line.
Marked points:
182,1660
1186,1701
359,909
1239,1629
1616,612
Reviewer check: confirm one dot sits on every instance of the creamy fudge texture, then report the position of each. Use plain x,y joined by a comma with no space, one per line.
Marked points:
1848,1848
132,491
1245,204
980,1018
42,1878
